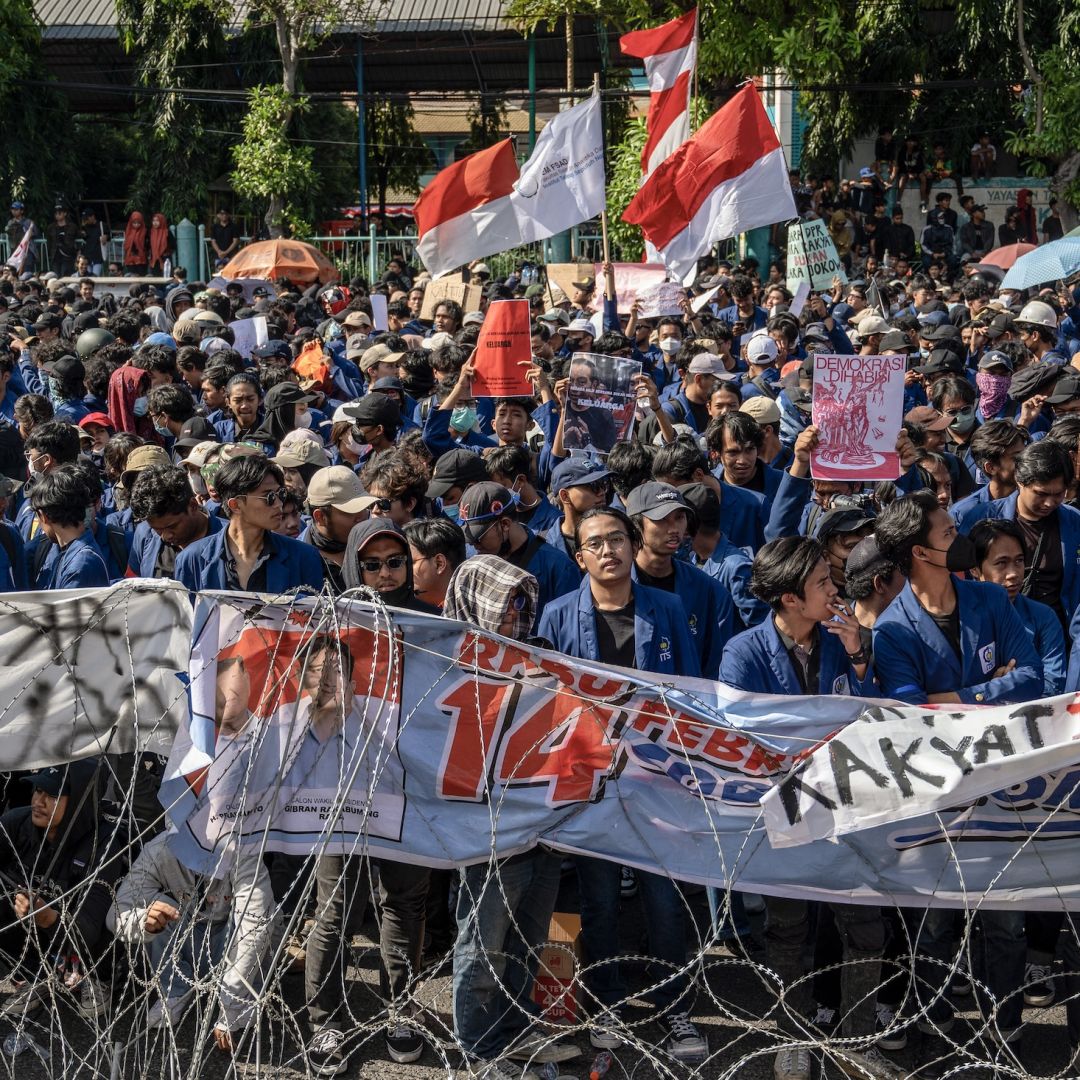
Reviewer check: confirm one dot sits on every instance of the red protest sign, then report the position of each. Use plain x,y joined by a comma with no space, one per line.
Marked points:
503,351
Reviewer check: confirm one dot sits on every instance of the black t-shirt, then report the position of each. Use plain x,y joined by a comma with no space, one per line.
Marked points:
1049,573
667,582
1052,228
700,414
615,636
571,546
224,235
166,561
949,625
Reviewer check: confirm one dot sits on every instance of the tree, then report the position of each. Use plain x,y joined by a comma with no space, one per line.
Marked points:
175,44
488,124
396,155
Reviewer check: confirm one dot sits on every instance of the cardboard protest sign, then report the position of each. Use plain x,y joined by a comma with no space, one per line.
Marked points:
599,402
858,409
248,334
659,300
812,257
503,347
379,316
564,275
468,296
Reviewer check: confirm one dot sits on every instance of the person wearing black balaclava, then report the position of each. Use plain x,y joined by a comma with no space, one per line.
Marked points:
377,557
285,406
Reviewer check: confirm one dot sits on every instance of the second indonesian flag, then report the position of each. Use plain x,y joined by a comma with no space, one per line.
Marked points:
480,206
730,176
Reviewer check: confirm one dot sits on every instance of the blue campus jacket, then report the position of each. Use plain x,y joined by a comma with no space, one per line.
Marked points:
963,512
12,568
913,659
730,565
1069,528
78,566
146,546
544,515
710,613
292,564
662,641
773,480
756,661
1048,640
743,516
555,572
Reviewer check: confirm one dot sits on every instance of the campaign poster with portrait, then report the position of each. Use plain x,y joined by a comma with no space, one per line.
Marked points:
600,402
858,408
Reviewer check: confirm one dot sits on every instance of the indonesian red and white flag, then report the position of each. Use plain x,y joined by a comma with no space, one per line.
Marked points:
670,53
730,176
480,206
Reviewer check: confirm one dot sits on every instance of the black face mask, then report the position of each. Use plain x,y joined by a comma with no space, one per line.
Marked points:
964,420
960,555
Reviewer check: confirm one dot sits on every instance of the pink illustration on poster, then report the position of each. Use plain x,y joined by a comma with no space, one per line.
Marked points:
858,407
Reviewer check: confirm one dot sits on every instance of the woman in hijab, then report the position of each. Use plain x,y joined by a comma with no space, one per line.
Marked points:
160,243
377,557
135,257
504,908
285,407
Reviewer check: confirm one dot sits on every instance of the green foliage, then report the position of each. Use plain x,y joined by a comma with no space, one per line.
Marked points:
396,155
268,165
488,124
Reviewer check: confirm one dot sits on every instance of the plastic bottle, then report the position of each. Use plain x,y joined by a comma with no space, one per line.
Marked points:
601,1063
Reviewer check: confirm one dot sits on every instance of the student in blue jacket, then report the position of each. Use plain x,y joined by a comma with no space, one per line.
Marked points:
615,620
994,449
1044,473
60,500
248,555
999,551
943,641
169,519
811,645
663,517
12,553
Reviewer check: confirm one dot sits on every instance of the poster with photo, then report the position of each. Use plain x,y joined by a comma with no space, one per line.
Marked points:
600,402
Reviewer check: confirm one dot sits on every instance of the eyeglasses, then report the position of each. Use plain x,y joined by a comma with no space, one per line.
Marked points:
373,566
598,487
613,541
271,498
517,601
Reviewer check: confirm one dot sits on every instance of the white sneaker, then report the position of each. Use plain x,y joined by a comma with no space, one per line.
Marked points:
168,1010
94,997
604,1031
792,1064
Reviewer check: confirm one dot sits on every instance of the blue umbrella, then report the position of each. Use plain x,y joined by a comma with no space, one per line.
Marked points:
1056,261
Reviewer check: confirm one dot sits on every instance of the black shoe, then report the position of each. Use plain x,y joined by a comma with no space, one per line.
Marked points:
404,1043
325,1054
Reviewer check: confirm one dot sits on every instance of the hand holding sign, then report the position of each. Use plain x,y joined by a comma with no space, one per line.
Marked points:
504,351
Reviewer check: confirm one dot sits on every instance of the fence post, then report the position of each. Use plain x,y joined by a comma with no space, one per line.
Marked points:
202,254
373,261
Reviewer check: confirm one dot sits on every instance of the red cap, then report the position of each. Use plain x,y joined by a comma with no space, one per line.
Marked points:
99,418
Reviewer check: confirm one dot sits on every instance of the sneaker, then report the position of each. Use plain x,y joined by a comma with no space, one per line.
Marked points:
404,1043
94,997
540,1049
684,1041
792,1064
1039,986
890,1034
604,1030
168,1011
627,883
922,208
28,1002
325,1054
826,1019
937,1058
872,1064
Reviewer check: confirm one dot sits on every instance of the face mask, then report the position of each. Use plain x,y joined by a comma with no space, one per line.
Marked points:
161,429
350,444
33,465
964,420
993,390
303,420
451,512
141,406
463,418
197,483
670,345
960,555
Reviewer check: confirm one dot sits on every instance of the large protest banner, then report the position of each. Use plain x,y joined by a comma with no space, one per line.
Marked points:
630,280
503,351
858,408
600,402
812,257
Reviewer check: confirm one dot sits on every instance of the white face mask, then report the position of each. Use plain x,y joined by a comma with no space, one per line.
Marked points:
350,444
197,483
304,419
670,345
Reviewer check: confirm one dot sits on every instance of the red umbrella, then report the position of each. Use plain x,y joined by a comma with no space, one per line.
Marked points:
1004,257
296,260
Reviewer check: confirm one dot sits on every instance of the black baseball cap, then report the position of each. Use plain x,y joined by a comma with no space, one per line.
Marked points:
865,557
1033,380
844,519
1067,387
60,780
47,320
65,367
375,409
704,502
270,349
481,506
195,430
655,501
456,468
286,393
942,362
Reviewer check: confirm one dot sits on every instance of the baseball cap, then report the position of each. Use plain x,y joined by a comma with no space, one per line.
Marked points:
142,457
872,324
942,362
379,354
843,519
995,358
47,320
482,269
286,393
574,471
337,486
865,557
707,364
481,506
762,350
211,317
1032,380
66,367
302,452
197,457
437,341
100,418
357,320
895,341
374,409
585,283
865,173
928,417
356,345
655,501
269,349
582,326
534,291
64,779
159,337
815,332
704,502
932,319
195,430
555,315
456,468
763,409
473,318
1066,388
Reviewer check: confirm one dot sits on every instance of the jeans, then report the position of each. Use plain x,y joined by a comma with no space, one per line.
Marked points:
503,915
862,937
731,924
182,964
665,918
998,953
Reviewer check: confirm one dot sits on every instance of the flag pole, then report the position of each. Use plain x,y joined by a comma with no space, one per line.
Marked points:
609,274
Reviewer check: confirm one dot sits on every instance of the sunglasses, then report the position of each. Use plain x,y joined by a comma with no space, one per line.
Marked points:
373,566
517,602
272,498
382,505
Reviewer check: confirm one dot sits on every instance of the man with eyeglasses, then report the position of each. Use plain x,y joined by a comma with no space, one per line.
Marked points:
488,516
248,555
337,502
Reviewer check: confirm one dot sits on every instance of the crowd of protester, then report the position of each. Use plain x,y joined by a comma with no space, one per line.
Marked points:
138,442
